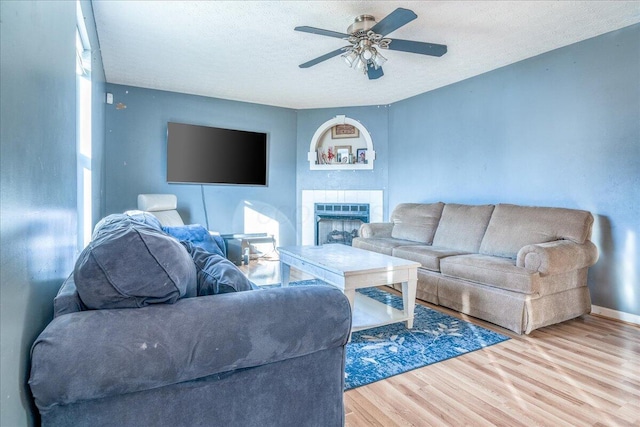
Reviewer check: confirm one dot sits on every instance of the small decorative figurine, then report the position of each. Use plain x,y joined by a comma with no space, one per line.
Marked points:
330,154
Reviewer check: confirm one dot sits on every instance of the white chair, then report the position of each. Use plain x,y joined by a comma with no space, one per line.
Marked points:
162,206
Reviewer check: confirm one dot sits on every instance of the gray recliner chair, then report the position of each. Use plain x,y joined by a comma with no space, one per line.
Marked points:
162,206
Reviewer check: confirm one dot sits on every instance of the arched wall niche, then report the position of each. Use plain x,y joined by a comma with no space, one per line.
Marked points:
323,140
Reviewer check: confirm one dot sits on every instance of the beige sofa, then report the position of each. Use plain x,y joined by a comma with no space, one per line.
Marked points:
518,267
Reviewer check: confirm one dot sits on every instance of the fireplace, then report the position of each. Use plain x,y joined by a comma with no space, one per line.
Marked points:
307,215
339,222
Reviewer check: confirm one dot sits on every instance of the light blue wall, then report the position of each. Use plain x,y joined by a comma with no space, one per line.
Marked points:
559,129
38,217
136,159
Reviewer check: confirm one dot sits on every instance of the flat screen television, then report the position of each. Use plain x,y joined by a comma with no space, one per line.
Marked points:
209,155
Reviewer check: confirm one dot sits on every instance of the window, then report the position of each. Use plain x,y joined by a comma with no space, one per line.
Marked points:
83,130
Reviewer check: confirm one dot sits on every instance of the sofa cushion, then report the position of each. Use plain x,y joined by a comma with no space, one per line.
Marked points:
130,264
416,222
428,256
382,245
492,271
462,227
215,273
511,227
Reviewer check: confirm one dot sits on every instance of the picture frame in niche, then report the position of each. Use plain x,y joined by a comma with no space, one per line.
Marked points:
361,156
343,153
344,131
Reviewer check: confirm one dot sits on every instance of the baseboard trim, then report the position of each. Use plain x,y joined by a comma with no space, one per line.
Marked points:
614,314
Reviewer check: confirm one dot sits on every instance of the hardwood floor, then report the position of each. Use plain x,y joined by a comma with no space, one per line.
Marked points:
584,372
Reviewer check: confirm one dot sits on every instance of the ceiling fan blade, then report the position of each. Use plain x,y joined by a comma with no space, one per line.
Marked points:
374,73
322,58
393,21
322,32
418,47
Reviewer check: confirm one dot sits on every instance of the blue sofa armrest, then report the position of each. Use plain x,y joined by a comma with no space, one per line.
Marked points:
67,299
100,353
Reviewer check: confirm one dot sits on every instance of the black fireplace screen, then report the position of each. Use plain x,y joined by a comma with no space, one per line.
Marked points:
339,222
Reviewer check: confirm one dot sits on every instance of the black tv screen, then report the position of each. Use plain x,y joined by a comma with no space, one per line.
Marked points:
208,155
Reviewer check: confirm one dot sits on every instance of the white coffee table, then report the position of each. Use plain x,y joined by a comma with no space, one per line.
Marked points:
351,268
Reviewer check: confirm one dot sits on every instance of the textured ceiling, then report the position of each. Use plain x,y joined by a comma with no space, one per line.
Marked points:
248,50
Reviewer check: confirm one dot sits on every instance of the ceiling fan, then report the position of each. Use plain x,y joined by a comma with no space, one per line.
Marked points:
367,37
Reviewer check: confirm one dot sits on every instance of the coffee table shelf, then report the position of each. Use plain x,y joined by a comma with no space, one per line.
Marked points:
369,313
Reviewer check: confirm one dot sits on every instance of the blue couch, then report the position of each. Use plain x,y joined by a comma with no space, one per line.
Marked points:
268,357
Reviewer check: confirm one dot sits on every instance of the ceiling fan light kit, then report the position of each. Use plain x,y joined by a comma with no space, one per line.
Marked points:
363,52
367,37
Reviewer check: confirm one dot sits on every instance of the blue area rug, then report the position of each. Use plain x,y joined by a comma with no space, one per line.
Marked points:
385,351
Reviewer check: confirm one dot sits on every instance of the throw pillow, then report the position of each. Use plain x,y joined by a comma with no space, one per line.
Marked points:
216,274
146,218
198,236
130,264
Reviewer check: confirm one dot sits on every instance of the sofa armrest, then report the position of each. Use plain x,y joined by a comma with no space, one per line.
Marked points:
376,229
557,256
67,299
99,353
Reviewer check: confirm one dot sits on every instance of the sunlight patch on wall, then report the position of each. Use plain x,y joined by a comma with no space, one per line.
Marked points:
256,222
630,267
